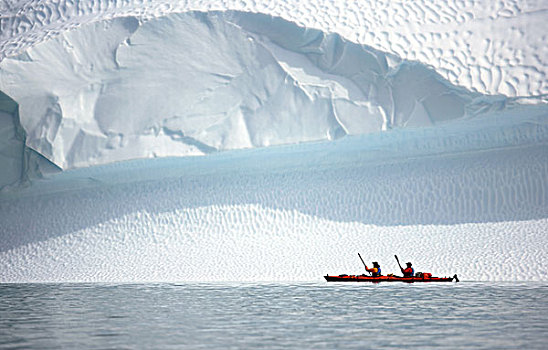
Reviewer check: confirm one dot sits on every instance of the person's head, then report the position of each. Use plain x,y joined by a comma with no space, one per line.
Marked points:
375,264
408,264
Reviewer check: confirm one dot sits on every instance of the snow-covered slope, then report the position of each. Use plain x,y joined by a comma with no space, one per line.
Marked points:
320,128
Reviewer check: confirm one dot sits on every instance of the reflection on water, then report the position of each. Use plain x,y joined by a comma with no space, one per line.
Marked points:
303,315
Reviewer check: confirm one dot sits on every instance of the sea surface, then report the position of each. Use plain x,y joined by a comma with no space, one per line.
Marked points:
313,315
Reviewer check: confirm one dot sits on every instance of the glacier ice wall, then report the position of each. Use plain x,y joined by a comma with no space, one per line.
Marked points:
284,213
467,198
195,83
431,167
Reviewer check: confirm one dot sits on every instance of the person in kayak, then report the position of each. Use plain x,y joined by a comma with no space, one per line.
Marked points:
409,271
375,270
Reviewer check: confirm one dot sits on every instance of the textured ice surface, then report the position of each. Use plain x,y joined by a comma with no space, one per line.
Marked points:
288,213
495,47
103,81
254,243
443,174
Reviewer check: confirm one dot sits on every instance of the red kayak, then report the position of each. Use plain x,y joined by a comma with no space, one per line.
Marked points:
365,278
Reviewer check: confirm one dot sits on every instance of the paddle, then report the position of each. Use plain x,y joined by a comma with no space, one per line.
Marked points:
401,268
363,263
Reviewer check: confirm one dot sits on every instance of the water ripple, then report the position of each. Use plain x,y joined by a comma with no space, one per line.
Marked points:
273,316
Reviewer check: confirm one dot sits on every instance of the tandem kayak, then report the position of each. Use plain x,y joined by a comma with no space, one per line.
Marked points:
365,278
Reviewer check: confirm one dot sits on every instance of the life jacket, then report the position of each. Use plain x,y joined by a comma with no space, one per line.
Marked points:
406,272
378,273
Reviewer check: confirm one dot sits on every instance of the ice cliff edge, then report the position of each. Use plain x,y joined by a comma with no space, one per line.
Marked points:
194,83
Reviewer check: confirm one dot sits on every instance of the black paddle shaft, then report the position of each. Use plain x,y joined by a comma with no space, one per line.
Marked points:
401,268
363,263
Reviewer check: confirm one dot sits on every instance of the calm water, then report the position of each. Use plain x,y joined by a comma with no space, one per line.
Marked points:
279,316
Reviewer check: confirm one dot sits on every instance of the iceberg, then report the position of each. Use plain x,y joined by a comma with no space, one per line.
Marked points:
196,83
161,144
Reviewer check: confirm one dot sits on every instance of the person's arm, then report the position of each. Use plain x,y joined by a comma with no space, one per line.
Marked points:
373,269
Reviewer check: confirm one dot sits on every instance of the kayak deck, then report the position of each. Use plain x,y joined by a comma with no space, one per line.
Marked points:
365,278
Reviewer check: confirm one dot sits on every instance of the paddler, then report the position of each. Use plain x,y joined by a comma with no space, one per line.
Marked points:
375,270
409,271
